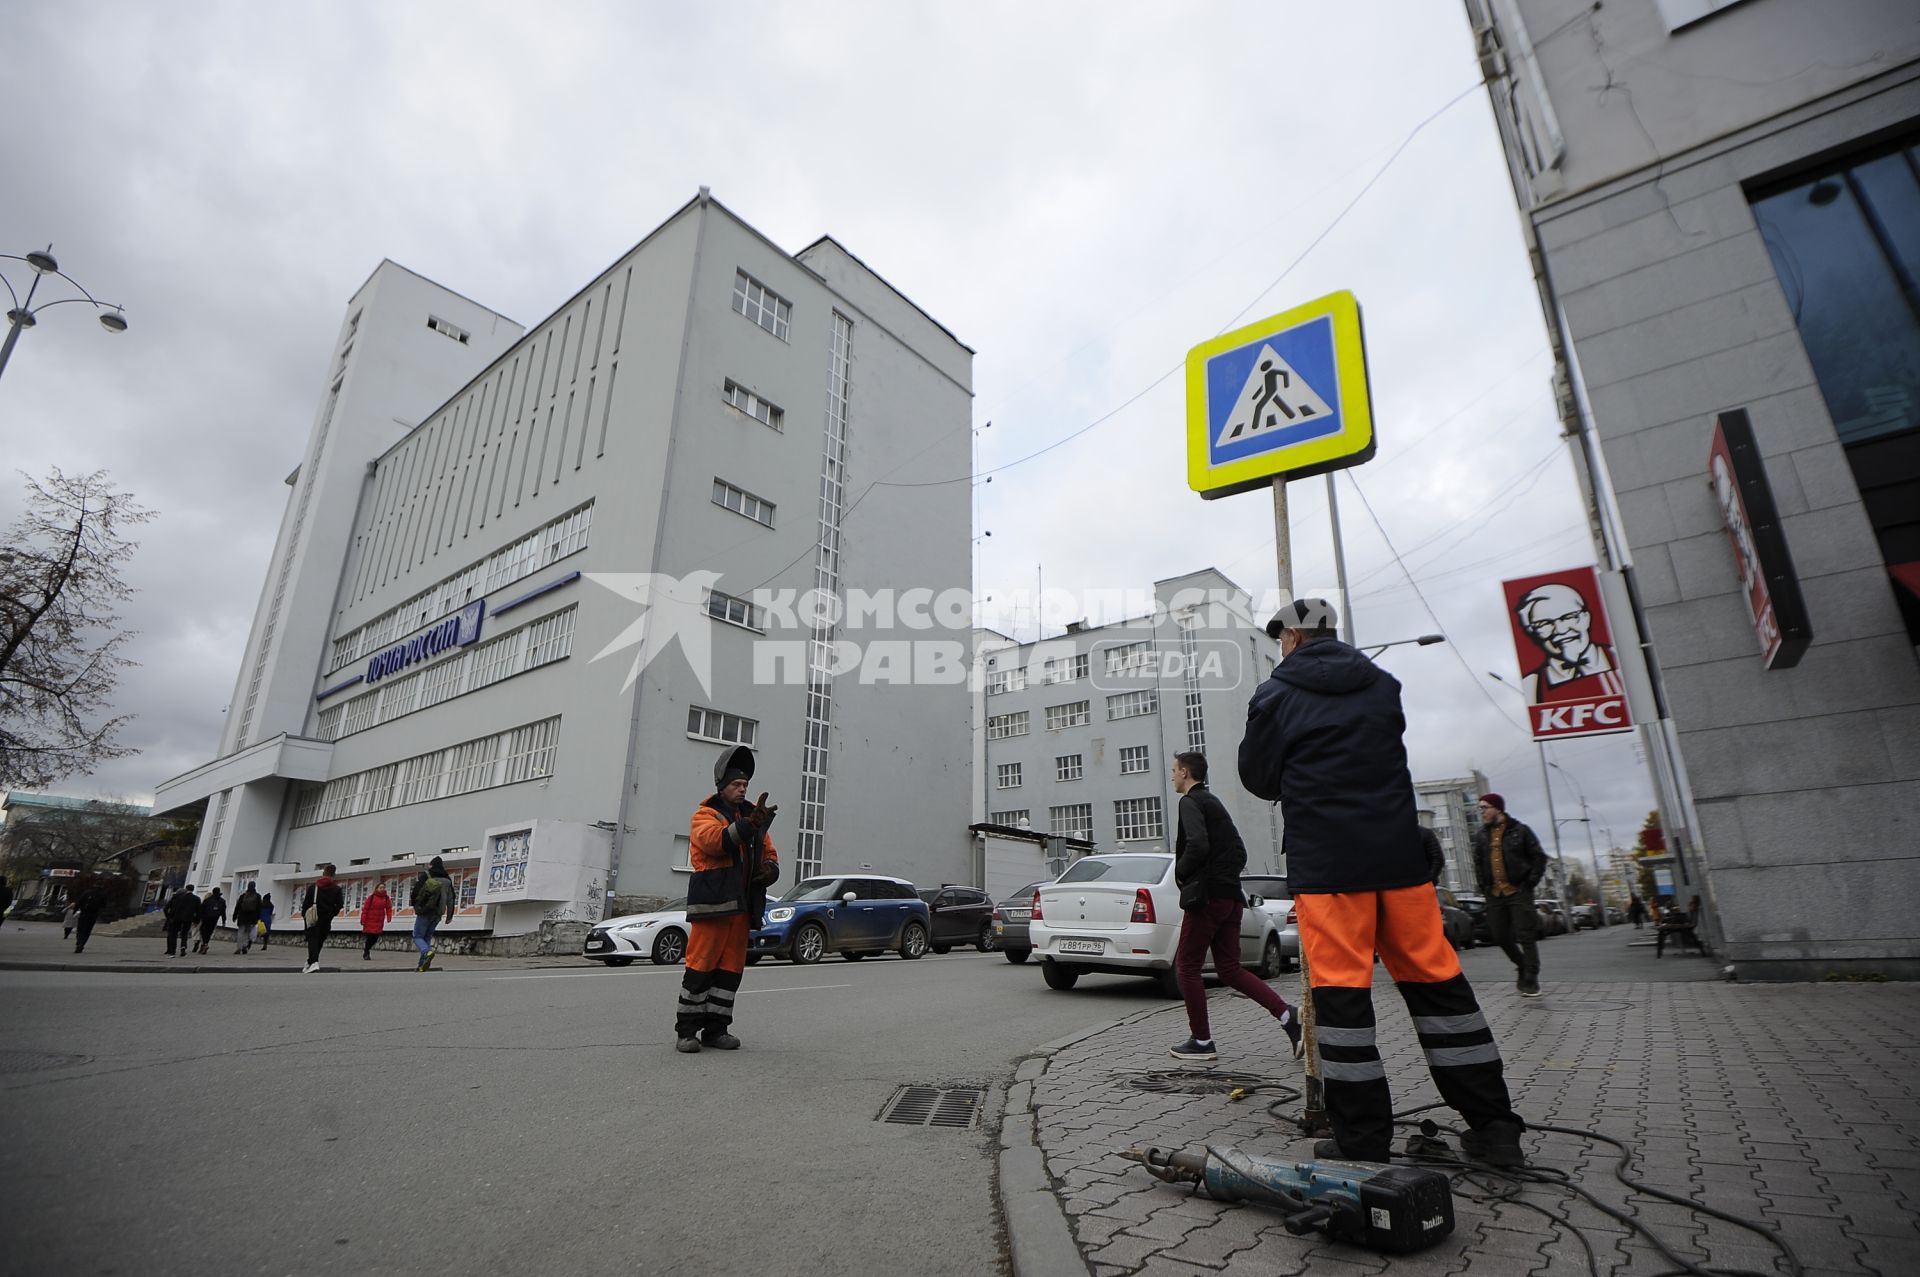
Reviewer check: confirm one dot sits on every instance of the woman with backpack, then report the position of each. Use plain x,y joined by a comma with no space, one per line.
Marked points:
373,917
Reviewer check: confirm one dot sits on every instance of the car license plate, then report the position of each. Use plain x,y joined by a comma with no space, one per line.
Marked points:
1071,945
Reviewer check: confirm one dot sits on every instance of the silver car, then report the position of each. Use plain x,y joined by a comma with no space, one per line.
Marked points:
1271,895
1010,922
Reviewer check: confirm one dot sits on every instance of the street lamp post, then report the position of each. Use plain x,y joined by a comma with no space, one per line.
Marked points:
1593,854
1425,640
25,314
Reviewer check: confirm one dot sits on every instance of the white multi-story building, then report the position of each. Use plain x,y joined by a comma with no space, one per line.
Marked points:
1721,203
1077,733
1455,805
483,511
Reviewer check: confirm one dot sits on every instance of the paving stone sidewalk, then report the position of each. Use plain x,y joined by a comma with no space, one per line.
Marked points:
1797,1106
39,946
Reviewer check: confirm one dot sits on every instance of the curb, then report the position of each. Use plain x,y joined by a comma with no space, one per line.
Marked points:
1039,1237
162,968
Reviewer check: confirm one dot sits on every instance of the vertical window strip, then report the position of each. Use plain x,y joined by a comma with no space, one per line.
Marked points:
1196,715
826,579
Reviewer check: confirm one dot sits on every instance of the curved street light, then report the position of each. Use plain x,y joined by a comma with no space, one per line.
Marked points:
1425,640
24,314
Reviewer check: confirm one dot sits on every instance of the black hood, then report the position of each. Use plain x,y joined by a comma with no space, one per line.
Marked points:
735,761
1328,667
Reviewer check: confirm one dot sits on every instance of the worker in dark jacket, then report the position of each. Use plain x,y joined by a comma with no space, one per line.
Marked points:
320,905
1508,863
1207,863
734,862
1324,737
182,915
87,912
246,916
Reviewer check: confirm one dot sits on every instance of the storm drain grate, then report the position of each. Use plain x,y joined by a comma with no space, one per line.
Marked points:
1196,1081
955,1108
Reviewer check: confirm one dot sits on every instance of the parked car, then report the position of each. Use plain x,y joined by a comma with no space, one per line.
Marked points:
1120,914
1587,917
1010,922
1272,895
1455,920
660,935
853,915
1476,909
1553,920
960,915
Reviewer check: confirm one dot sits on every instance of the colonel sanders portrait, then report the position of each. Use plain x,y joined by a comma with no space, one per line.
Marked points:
1556,617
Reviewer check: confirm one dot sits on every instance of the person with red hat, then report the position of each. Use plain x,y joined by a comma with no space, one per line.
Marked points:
1509,863
1326,738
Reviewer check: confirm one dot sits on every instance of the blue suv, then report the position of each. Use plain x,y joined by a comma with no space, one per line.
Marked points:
853,915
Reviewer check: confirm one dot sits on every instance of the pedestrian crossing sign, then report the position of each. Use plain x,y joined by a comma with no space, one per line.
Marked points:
1287,395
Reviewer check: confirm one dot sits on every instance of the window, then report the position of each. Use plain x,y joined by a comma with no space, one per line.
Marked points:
743,502
550,638
494,659
1133,758
764,307
753,405
442,681
1067,767
1072,715
725,607
1007,776
470,766
399,697
1064,669
1132,705
1001,726
529,751
1013,819
724,729
360,713
1129,656
446,329
1136,819
419,779
328,728
1013,680
378,791
1072,821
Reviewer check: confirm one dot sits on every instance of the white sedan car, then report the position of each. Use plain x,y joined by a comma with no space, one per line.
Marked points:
1120,914
661,936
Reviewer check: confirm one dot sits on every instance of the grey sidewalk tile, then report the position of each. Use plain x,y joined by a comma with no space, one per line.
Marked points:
1126,1250
1344,1261
1164,1265
1882,1218
1214,1245
1168,1226
1820,1207
1894,1256
1093,1230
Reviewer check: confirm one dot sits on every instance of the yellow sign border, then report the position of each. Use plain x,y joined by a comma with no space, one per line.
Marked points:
1353,445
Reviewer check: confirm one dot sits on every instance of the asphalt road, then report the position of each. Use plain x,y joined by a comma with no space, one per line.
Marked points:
524,1120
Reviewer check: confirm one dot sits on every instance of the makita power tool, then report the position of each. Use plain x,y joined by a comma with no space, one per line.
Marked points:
1389,1208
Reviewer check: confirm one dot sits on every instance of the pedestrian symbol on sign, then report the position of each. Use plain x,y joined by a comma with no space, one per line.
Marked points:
1273,398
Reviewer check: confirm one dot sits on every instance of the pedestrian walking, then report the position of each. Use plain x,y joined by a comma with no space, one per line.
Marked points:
318,908
72,916
86,912
734,862
6,897
1436,855
246,917
213,912
373,918
1508,863
433,899
182,915
266,919
1208,859
1636,911
1325,737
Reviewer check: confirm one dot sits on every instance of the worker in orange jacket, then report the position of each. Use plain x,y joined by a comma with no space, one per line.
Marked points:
734,862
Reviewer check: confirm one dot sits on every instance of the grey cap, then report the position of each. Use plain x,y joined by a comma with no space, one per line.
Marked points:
1304,614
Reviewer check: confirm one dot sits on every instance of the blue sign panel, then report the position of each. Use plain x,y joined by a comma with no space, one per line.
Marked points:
458,630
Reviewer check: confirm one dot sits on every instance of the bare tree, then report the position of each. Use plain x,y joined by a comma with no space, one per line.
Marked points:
60,646
80,837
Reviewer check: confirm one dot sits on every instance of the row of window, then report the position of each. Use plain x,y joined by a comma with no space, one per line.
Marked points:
740,501
1074,714
400,889
1066,669
547,544
504,758
753,405
762,305
1134,819
1067,767
721,728
527,647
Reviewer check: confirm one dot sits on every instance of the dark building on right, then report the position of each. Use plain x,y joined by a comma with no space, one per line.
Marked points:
1721,200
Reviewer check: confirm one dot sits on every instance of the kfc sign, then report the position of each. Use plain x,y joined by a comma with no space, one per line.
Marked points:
1570,676
1767,581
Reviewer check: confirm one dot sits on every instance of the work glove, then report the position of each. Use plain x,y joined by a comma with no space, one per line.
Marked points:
762,814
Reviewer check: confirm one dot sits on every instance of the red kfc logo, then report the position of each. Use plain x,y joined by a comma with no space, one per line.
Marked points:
1570,677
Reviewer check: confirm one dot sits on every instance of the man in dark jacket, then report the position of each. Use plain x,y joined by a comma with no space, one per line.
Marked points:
1436,855
434,898
87,911
734,862
213,912
1324,737
1208,858
183,915
325,899
246,913
1508,864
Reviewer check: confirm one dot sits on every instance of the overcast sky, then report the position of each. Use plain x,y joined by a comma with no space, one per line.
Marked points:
1081,192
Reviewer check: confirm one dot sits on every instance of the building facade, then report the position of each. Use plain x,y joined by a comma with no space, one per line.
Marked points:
530,582
1455,805
1077,733
1722,199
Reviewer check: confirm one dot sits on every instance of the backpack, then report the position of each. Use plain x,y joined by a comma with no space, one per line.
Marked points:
429,898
